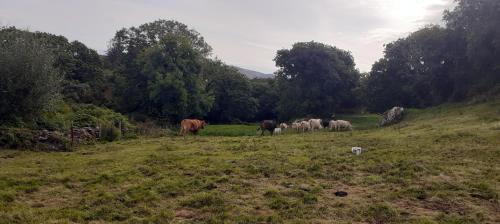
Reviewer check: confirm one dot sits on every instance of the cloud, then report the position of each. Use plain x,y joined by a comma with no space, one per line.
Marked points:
243,33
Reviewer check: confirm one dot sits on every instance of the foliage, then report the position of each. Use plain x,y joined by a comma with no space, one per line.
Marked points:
88,115
415,72
79,66
435,65
29,83
175,87
315,79
158,67
265,91
110,133
232,93
475,23
19,138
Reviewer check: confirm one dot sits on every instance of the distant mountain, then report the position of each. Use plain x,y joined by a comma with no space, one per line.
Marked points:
253,74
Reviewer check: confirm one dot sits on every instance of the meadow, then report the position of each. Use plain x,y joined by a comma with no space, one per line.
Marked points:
440,165
359,122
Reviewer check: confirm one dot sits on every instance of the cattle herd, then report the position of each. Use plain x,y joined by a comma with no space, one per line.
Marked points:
303,126
194,125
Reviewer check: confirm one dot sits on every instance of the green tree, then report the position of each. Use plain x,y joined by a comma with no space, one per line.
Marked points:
315,79
29,83
175,88
80,67
265,91
130,50
475,24
232,92
415,71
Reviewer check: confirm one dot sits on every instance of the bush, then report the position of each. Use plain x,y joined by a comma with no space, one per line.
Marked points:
33,139
110,133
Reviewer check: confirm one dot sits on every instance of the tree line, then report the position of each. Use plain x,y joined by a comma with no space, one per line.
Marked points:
164,71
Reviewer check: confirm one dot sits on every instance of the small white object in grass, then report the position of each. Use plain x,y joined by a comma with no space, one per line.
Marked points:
356,150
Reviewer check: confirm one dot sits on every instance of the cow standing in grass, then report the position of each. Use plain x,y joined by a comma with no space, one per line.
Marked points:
283,126
315,124
268,125
305,126
191,126
296,126
340,125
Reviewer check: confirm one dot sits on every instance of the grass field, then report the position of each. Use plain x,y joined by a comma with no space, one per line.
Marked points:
359,122
440,165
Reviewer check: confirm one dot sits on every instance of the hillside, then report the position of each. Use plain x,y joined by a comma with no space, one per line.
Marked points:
440,165
253,74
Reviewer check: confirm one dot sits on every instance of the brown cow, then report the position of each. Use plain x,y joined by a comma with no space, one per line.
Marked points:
191,125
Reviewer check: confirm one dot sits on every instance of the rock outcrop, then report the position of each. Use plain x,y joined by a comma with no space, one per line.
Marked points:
392,116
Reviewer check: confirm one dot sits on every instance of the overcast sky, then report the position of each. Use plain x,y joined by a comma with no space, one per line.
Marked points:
242,32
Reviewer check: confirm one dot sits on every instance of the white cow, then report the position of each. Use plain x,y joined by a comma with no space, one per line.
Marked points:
277,131
305,126
332,125
340,125
315,124
296,126
283,126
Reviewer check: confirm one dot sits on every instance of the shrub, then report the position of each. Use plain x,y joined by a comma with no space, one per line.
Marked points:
110,133
32,139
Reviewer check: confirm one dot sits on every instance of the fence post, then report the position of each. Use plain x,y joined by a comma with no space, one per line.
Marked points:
120,125
72,135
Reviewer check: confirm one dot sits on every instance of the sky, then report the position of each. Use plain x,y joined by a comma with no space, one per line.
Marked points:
241,32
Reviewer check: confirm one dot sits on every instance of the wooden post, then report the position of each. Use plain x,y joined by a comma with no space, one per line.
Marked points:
120,125
72,135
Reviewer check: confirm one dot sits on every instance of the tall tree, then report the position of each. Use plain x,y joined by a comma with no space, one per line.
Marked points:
29,82
315,79
415,71
265,91
476,23
80,66
175,88
128,54
232,92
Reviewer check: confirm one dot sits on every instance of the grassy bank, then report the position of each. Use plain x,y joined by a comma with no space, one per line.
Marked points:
440,165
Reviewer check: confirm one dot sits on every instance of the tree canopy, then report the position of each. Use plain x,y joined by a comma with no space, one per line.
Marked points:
29,82
440,64
315,79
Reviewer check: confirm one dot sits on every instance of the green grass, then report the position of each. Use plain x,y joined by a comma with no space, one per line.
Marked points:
440,165
229,130
359,122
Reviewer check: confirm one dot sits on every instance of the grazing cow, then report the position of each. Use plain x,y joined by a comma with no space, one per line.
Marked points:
340,125
332,125
277,131
296,126
191,125
283,126
268,125
305,126
315,124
